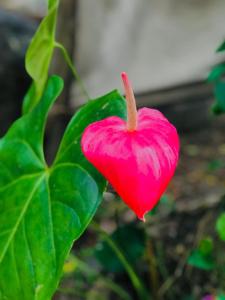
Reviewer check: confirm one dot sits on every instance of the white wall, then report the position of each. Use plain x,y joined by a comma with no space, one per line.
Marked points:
158,42
33,7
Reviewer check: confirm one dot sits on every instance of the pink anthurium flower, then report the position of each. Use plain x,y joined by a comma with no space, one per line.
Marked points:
137,157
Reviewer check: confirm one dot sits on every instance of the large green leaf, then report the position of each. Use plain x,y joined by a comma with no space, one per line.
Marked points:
39,55
43,209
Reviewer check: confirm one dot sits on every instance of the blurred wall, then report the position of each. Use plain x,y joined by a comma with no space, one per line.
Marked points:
159,43
33,7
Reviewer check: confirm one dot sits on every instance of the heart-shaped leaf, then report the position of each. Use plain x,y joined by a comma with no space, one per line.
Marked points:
44,209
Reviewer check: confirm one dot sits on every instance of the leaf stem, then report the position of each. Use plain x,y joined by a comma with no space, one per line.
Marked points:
72,68
131,103
136,282
153,274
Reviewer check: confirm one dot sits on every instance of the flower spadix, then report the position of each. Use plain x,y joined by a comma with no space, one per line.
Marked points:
138,156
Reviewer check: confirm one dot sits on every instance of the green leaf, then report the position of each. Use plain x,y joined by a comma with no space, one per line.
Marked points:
220,226
31,98
215,164
200,261
52,3
220,297
202,256
216,73
39,55
216,109
43,209
40,50
219,91
206,246
221,47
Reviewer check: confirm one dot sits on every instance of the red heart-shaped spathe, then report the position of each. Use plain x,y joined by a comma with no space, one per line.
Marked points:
138,163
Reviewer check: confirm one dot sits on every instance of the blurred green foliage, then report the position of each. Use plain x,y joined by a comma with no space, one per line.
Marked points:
131,241
202,256
220,226
216,77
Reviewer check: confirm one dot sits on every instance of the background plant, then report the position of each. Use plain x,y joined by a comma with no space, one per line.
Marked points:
207,256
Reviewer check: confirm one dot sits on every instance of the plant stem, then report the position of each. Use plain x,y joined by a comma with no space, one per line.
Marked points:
72,68
153,274
136,282
131,104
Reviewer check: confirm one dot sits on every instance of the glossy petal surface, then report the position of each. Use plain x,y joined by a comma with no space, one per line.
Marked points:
138,164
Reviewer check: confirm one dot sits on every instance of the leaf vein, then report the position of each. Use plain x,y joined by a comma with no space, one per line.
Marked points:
30,253
27,176
29,146
51,222
16,267
11,236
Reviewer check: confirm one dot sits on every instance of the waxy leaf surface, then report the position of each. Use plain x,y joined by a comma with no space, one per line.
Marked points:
44,209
